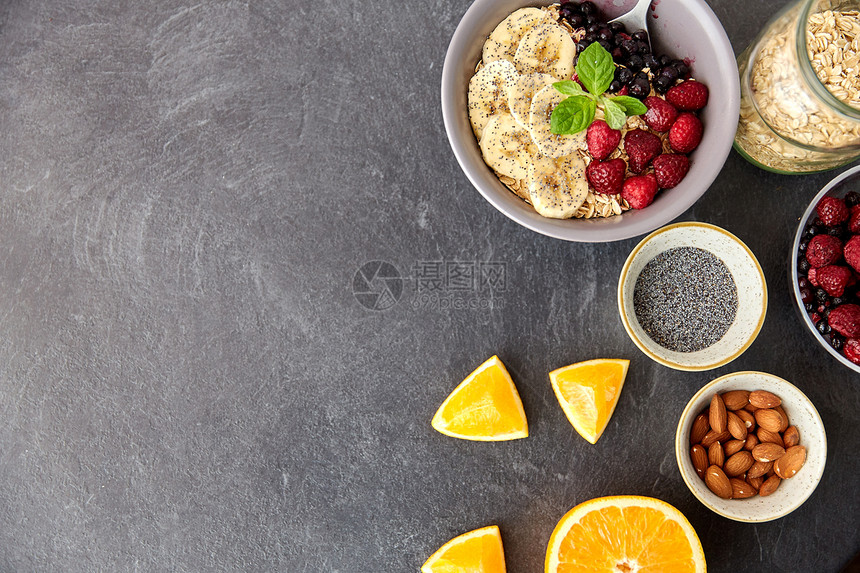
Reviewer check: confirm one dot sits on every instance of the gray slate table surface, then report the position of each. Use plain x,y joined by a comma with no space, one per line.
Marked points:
187,382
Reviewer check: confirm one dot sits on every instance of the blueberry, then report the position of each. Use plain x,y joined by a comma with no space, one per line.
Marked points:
662,84
567,10
670,73
615,86
618,54
652,62
642,47
803,265
616,27
804,244
605,44
815,230
664,60
590,37
836,341
823,327
576,21
590,19
588,8
640,35
606,34
640,89
835,231
642,77
852,198
803,282
806,295
629,46
818,222
635,62
594,28
623,75
581,46
821,295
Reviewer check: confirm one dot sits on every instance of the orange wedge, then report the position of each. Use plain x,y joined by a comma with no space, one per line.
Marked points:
624,533
478,551
588,393
484,407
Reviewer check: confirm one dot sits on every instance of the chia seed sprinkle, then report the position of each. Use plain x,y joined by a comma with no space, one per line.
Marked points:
685,299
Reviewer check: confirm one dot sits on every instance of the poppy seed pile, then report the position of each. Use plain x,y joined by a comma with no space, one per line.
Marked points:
685,299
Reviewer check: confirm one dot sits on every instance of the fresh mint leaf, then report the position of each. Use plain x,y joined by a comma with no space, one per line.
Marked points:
595,68
631,105
572,115
613,114
570,88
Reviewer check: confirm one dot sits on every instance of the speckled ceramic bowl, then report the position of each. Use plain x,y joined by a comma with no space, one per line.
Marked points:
838,187
791,492
685,28
745,270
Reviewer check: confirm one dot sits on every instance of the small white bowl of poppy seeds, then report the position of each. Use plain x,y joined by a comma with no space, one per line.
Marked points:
692,296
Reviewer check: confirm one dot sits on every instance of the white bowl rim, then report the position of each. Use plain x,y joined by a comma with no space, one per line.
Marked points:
795,247
681,448
596,234
642,346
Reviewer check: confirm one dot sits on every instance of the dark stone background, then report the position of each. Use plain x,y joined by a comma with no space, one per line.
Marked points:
186,380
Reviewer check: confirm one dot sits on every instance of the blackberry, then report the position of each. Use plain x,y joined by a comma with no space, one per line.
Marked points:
852,198
835,231
804,244
838,300
808,307
803,265
821,295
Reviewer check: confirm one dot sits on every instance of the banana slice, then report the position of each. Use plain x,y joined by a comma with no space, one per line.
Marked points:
521,94
507,147
546,49
502,43
557,187
549,143
488,93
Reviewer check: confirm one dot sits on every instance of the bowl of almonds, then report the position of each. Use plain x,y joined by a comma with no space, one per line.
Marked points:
751,446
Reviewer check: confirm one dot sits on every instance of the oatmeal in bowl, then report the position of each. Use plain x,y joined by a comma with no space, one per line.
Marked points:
577,128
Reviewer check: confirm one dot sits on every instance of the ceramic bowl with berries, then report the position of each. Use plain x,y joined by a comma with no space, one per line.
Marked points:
825,268
751,446
581,129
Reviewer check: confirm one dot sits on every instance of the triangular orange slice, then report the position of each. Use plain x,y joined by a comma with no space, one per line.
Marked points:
588,393
478,551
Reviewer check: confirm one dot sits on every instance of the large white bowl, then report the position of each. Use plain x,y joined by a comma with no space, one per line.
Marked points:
682,28
791,492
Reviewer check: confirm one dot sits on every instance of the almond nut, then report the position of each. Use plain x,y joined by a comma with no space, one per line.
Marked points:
758,469
733,446
769,486
736,399
717,414
736,426
751,442
748,418
738,463
716,455
714,436
700,429
791,437
699,457
750,408
768,452
784,417
755,482
769,419
764,399
718,483
741,489
794,458
768,436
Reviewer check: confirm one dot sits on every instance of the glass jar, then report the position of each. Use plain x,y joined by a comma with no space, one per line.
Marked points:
800,89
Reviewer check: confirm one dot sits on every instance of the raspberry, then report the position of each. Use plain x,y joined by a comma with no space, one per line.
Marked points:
606,176
852,252
641,147
812,275
834,279
832,211
823,250
688,96
661,114
670,169
845,319
854,223
851,350
639,191
686,133
601,139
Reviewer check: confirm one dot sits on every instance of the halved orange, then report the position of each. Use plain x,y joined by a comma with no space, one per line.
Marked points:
485,407
588,393
624,533
478,551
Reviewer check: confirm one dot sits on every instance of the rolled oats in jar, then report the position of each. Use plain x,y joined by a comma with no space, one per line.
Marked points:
800,89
